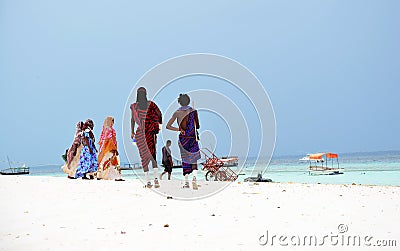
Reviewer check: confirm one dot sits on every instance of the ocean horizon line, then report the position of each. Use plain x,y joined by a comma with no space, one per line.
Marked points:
249,158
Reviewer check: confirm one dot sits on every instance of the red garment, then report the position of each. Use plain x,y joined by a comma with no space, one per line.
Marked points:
148,127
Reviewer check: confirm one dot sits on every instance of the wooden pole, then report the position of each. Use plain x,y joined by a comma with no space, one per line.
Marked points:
195,126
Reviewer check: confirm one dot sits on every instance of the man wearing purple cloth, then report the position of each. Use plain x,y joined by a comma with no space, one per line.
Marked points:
188,122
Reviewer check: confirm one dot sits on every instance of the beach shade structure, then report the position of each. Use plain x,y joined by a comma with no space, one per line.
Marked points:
332,155
319,164
316,156
319,156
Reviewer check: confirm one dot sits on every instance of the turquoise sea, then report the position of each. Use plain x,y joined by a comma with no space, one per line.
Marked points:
372,168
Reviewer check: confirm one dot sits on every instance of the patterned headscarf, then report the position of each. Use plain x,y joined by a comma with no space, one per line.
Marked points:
89,124
108,122
79,129
108,132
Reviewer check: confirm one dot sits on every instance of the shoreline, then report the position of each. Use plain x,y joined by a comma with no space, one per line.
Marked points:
305,178
130,177
56,213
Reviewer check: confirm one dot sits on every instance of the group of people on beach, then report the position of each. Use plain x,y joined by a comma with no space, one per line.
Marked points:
83,162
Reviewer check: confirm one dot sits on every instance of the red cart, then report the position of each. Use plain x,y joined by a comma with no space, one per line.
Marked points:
216,170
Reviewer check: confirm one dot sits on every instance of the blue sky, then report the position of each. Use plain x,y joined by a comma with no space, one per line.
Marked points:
331,68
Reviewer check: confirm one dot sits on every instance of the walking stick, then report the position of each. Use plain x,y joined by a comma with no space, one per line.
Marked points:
195,127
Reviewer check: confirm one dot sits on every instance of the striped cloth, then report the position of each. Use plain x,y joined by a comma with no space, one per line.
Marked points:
146,133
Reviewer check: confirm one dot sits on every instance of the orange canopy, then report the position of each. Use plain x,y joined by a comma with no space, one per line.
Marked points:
332,155
318,156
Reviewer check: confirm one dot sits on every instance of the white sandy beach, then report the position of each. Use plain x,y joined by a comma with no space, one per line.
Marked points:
48,213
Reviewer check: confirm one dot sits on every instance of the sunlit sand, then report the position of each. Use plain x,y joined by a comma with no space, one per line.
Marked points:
40,213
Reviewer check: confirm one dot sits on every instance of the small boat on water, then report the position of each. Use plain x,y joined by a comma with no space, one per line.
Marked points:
15,170
230,161
319,164
138,166
305,158
129,166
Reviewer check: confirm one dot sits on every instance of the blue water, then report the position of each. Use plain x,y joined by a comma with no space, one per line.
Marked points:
377,168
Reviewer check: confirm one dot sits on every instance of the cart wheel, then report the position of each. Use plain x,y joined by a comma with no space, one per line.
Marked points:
221,176
210,176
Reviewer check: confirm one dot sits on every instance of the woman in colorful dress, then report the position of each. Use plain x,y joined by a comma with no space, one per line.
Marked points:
147,116
188,122
88,160
108,153
74,152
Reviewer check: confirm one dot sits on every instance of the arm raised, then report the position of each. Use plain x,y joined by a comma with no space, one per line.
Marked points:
170,122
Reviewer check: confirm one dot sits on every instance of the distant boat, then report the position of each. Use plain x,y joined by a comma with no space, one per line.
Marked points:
176,164
15,170
230,161
136,166
305,158
319,164
129,166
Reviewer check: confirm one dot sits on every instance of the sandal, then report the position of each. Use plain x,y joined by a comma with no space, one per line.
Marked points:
186,185
149,185
156,183
194,185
